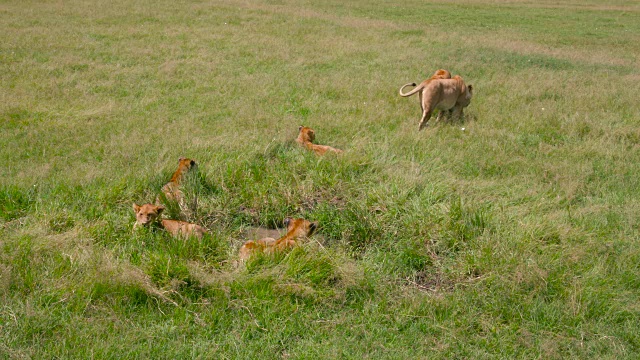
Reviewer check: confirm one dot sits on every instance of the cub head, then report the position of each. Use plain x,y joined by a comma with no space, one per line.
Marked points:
147,213
305,134
300,227
441,74
186,164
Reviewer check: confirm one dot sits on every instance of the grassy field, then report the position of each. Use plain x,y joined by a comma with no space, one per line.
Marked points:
516,237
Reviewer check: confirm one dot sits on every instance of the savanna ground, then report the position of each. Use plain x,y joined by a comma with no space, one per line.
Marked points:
516,237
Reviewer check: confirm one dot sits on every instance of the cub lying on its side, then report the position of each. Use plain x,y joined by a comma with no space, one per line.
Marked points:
149,214
306,136
296,229
172,189
442,94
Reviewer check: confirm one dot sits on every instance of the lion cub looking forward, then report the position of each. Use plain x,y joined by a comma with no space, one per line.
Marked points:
148,214
296,229
306,136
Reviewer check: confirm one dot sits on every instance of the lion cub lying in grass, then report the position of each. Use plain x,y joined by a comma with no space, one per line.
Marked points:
442,92
172,190
149,214
297,229
306,136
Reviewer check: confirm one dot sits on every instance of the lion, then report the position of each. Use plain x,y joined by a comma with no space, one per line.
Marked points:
306,136
447,95
296,229
149,214
171,189
439,74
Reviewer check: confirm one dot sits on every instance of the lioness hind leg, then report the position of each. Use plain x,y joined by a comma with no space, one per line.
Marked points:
426,115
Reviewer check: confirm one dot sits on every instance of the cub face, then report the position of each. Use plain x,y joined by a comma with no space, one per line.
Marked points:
306,134
147,213
300,227
186,164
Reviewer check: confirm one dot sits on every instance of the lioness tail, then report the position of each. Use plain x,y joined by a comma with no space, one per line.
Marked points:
412,91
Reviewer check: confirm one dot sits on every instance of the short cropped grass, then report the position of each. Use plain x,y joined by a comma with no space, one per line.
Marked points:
510,234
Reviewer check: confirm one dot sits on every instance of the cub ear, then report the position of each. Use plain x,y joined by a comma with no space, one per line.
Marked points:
159,209
136,207
313,227
470,87
193,163
300,128
287,221
180,160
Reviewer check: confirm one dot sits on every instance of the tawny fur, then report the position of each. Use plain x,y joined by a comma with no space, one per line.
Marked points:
306,136
296,229
447,95
439,74
172,190
149,214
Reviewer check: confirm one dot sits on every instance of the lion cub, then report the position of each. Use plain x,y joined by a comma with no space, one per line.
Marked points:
172,189
296,229
149,214
443,93
306,136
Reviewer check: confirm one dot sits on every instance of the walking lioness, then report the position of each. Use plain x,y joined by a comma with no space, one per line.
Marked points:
440,93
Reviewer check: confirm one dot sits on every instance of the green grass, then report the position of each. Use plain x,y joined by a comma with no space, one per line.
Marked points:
515,238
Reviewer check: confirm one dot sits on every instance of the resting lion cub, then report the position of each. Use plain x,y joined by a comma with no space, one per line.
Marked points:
443,94
296,229
306,136
171,189
149,214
